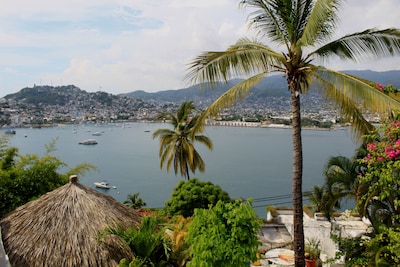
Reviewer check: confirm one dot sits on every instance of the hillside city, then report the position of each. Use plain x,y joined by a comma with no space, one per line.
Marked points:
46,106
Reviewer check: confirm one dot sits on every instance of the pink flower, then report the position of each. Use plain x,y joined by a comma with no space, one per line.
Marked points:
371,146
388,149
380,87
391,154
367,158
397,143
380,158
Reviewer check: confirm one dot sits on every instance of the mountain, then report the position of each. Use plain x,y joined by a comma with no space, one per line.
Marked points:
272,86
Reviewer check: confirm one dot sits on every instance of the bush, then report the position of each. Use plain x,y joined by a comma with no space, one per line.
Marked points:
224,235
193,194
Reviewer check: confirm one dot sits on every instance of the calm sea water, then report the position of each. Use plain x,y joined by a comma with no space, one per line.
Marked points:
245,162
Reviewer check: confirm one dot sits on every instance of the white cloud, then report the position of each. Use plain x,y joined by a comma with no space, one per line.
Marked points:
124,45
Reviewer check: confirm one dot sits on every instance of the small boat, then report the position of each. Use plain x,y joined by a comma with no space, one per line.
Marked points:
9,131
88,142
102,184
96,133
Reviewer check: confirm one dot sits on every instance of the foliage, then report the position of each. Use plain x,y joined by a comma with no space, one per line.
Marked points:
177,145
384,248
180,252
353,249
312,249
134,201
303,30
148,243
224,235
26,177
192,194
382,175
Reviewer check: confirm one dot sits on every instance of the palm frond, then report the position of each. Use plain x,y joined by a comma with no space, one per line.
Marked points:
361,91
349,98
243,58
363,45
233,95
321,21
269,19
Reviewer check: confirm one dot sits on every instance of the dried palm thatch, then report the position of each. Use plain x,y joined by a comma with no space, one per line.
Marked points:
61,228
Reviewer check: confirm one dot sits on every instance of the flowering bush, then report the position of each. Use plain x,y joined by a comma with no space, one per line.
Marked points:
386,89
383,167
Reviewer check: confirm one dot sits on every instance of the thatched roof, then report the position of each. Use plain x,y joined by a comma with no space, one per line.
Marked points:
61,228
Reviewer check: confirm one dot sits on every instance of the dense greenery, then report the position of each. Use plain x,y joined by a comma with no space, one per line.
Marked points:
193,194
177,145
224,235
148,243
27,177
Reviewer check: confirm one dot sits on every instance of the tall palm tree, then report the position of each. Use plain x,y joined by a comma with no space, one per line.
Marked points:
300,27
177,145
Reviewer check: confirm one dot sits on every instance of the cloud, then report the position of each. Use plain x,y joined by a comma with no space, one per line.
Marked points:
124,45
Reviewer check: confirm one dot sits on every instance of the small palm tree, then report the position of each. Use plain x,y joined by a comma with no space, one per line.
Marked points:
134,201
177,145
342,179
303,29
148,243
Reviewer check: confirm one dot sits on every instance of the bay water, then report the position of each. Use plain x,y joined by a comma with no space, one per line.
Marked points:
246,162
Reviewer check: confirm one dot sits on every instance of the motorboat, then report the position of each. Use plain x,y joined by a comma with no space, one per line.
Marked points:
88,142
96,133
9,131
102,184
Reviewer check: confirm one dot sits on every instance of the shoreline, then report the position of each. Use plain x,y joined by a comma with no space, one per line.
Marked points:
219,124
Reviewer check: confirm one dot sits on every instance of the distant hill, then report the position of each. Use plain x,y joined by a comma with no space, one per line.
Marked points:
272,86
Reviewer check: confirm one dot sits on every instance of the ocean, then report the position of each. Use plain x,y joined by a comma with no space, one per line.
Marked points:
246,162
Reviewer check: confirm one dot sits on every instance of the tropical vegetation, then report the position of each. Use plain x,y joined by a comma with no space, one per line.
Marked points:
134,201
177,145
371,179
224,235
26,177
303,30
148,243
194,194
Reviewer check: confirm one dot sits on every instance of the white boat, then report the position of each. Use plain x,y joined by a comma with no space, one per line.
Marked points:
96,133
88,142
102,184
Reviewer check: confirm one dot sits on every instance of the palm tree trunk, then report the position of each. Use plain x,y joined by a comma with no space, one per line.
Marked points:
297,190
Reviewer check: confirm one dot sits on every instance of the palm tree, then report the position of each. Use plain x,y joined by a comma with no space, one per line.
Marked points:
342,178
134,201
300,27
177,145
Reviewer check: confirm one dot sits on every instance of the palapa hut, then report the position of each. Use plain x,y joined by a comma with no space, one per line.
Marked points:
62,227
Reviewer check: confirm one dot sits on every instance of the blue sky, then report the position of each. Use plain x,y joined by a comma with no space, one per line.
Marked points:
126,45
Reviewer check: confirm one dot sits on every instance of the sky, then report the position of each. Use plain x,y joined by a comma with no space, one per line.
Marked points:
122,46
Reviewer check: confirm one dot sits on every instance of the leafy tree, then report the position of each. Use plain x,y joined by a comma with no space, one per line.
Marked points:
177,145
148,243
26,177
302,29
224,235
187,196
134,201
